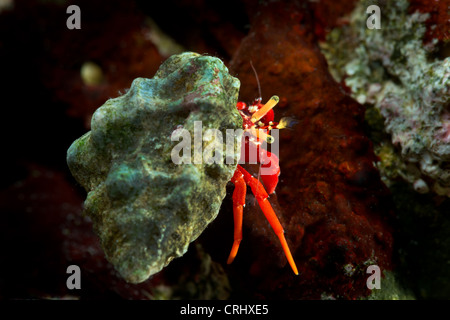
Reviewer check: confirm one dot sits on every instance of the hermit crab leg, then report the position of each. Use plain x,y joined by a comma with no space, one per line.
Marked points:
261,196
240,190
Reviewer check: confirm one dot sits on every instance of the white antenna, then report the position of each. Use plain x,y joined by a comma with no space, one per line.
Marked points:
257,79
260,98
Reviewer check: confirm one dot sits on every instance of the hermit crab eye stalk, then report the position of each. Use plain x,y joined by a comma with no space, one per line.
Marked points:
258,119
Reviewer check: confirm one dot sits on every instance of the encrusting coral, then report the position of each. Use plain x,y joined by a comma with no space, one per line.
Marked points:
393,71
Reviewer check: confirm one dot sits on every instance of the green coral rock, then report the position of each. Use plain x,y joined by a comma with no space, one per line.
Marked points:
145,208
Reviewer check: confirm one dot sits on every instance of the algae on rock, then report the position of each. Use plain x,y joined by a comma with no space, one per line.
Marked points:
145,208
393,71
406,90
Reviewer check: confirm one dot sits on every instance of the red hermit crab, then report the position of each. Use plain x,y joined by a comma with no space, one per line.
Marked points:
147,199
257,123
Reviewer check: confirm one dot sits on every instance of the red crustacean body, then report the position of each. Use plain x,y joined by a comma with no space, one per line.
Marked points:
258,122
252,146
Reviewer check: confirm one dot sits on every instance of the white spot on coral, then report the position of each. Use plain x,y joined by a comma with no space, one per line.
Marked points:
421,186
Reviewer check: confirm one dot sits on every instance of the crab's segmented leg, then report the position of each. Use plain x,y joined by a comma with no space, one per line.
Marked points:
240,190
261,196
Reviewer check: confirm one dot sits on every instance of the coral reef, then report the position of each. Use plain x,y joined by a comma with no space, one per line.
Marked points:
401,74
392,70
331,201
438,23
145,208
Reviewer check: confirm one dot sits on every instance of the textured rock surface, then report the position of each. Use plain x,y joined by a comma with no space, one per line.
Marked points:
393,71
145,208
